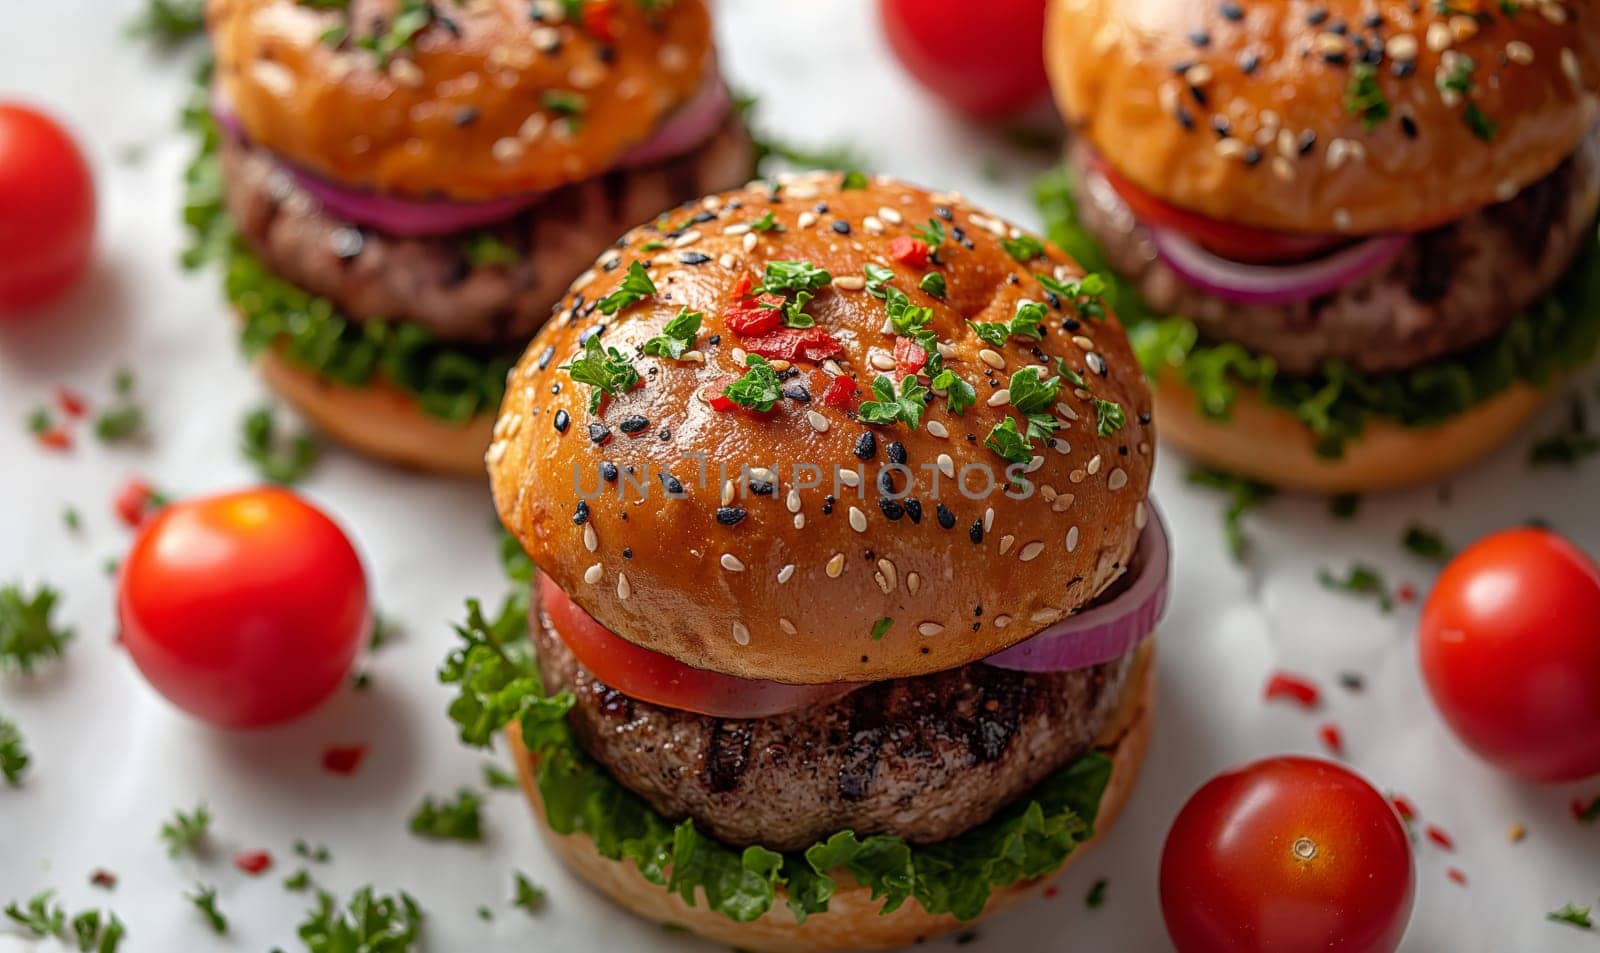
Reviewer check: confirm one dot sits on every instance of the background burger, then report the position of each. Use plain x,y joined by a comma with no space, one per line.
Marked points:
408,187
1357,238
836,493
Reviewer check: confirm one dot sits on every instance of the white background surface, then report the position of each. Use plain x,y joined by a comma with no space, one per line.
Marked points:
112,760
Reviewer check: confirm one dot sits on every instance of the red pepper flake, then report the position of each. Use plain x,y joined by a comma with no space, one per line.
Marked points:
1295,688
597,20
1586,813
1051,891
55,438
135,502
909,357
71,403
792,344
1403,807
837,392
1406,593
751,316
103,878
343,760
1332,738
909,251
255,862
1438,836
1456,876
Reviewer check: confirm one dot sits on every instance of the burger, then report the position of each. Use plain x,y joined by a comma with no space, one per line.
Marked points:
401,191
836,493
1354,242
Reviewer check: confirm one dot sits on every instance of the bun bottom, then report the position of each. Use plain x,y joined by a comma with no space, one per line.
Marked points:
381,421
852,921
1268,444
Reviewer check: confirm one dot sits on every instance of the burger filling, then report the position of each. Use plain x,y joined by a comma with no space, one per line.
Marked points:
1409,328
442,316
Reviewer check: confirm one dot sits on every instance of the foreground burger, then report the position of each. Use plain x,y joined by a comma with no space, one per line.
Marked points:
836,493
1357,238
414,184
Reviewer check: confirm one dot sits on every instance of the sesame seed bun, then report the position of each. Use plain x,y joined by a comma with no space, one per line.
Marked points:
789,585
852,921
1256,112
380,420
1268,444
464,110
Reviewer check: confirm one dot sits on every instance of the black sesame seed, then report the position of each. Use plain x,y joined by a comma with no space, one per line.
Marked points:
1232,11
1372,20
1318,16
1336,57
821,208
627,551
761,487
914,510
885,481
1352,681
1200,38
1199,96
1248,62
634,423
1144,417
897,452
946,518
1403,68
580,515
545,356
1408,126
1308,141
665,435
1184,116
714,340
1182,66
797,392
1252,156
827,505
599,432
842,227
891,508
866,446
693,258
702,218
731,515
672,484
1221,126
612,265
465,116
608,471
943,211
976,532
1339,27
563,421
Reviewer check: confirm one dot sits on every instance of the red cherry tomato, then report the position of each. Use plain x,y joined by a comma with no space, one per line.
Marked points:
662,680
986,59
245,609
1235,242
46,209
1285,855
1510,647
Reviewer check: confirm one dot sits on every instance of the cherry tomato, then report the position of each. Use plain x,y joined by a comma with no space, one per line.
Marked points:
662,680
1234,242
986,60
1287,854
46,209
1510,647
245,609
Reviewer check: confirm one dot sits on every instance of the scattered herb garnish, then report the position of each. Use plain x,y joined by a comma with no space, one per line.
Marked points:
1364,98
1086,295
123,420
767,223
1570,446
298,882
27,635
1023,248
169,22
1025,323
1359,580
1421,541
604,369
933,283
370,924
636,286
890,407
71,519
881,628
959,394
676,336
853,181
878,278
1573,915
497,779
1109,416
13,756
1244,495
318,854
1005,440
447,820
526,894
1344,505
186,832
204,899
41,918
483,250
401,30
1097,895
931,233
1033,398
276,460
786,277
759,389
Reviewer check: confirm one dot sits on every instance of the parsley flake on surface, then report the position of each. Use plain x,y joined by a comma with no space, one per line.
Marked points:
1243,494
1025,324
1097,895
759,389
1109,416
604,369
1363,97
298,881
526,894
889,406
40,917
496,778
676,336
1573,915
1085,296
13,757
27,635
370,923
450,820
959,395
636,286
1359,580
1008,442
186,832
123,420
784,277
204,899
169,22
278,460
1421,541
767,223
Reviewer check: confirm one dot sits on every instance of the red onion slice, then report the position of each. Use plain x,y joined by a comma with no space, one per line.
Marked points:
407,218
1272,284
1108,630
689,125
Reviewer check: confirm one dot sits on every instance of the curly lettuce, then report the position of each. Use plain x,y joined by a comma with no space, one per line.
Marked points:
1558,334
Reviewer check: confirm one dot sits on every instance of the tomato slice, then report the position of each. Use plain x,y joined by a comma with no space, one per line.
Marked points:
1242,243
662,680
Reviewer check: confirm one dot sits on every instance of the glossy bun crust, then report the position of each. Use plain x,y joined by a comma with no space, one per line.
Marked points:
791,585
1256,111
852,921
464,110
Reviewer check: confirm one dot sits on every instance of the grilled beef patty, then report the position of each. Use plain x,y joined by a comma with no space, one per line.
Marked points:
1452,287
431,281
923,758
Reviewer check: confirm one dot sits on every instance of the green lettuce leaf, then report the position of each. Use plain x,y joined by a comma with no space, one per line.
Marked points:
1559,333
497,683
449,382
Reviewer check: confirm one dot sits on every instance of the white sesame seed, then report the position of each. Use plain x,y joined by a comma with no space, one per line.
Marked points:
1198,75
1569,65
947,465
1554,12
1341,219
1031,551
728,261
988,519
406,73
835,565
623,589
496,451
850,282
787,626
687,238
1117,480
850,478
792,501
763,475
1401,46
1506,190
930,629
1141,515
858,520
1000,398
1043,615
872,225
1438,36
1083,342
506,149
1001,621
727,492
593,573
806,219
732,563
818,422
1034,462
1519,52
890,215
992,358
1062,503
785,574
938,429
741,634
889,572
748,243
591,542
799,521
740,229
881,361
1005,543
913,582
883,584
546,39
1072,540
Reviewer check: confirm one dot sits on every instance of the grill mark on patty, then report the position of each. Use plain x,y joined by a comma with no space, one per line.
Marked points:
728,755
1436,265
860,763
994,722
1532,215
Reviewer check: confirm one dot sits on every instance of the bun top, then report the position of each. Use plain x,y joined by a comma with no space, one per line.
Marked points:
719,533
1333,116
474,100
